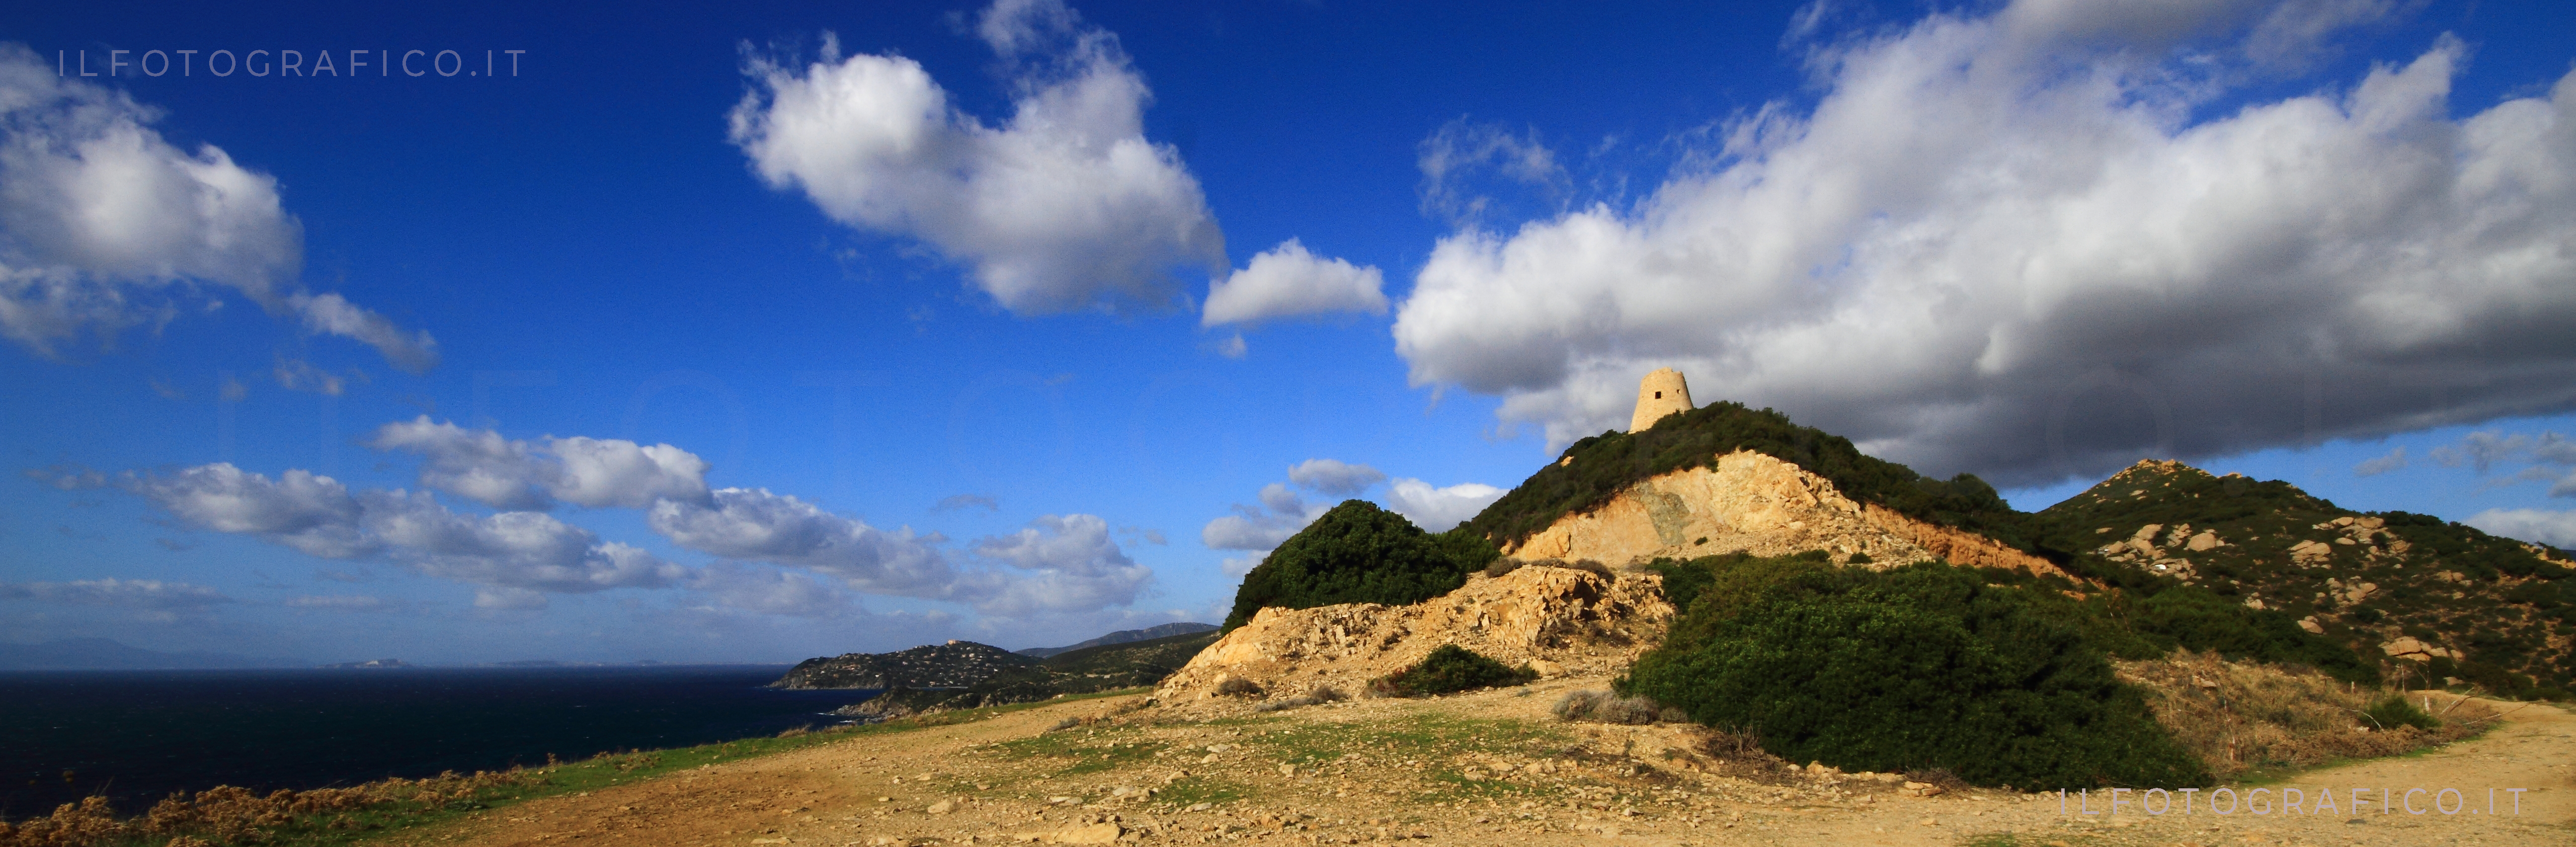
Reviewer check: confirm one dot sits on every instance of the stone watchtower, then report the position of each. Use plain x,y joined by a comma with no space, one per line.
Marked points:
1660,393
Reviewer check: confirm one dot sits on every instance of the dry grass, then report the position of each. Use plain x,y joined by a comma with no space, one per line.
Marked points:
2241,717
229,815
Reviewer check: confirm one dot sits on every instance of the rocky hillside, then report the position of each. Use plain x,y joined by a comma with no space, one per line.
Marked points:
1595,471
2446,601
1751,502
956,664
1560,620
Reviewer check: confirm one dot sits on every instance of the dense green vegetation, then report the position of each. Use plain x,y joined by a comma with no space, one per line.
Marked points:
1919,667
1608,463
2431,579
1359,553
1450,668
1105,667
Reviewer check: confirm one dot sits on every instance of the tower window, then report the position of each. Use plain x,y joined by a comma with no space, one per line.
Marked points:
1659,395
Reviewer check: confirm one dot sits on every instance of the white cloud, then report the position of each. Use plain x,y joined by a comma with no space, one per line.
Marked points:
2395,460
339,602
530,550
331,314
2556,529
299,509
149,595
319,516
509,599
756,525
2547,457
1073,566
482,466
1258,528
768,591
1461,152
300,375
1439,509
2010,247
1288,281
100,218
1064,206
1334,476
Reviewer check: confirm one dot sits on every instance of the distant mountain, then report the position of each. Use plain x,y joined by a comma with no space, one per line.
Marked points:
370,664
105,654
1122,637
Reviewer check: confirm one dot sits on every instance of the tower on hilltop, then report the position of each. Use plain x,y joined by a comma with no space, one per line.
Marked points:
1660,393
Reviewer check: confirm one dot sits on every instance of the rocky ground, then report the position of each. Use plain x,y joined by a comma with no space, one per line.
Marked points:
1489,768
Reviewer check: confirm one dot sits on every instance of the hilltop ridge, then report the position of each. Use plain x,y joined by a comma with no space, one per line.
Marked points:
2449,601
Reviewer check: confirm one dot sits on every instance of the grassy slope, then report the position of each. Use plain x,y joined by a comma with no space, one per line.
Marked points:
2505,606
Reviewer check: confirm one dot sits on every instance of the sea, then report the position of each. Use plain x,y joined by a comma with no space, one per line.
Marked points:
137,736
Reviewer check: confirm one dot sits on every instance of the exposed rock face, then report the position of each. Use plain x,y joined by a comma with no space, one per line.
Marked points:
1572,621
956,664
1755,503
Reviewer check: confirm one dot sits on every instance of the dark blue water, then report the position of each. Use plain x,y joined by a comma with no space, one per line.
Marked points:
136,736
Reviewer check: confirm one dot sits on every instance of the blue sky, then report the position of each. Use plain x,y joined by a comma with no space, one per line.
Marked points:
770,331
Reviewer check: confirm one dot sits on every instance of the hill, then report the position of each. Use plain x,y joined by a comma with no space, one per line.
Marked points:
1122,637
2446,602
965,675
1594,470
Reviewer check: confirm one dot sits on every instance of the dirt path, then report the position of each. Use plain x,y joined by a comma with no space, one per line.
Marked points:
1482,769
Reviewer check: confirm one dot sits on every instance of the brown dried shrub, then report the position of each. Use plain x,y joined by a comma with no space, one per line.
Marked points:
228,814
2238,716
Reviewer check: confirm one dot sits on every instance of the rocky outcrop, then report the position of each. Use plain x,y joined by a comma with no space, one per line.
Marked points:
1560,619
1755,503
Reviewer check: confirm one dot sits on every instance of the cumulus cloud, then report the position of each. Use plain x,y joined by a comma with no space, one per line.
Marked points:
1064,206
2556,529
310,513
1072,565
530,550
1334,476
514,556
482,466
1287,281
2015,244
756,525
300,375
101,218
319,516
1439,509
768,591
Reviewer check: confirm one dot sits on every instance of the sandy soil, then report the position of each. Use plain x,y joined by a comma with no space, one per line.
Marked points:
1486,769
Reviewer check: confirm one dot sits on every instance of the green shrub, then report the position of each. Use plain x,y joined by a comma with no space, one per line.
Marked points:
1450,668
2395,712
1358,553
1920,667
